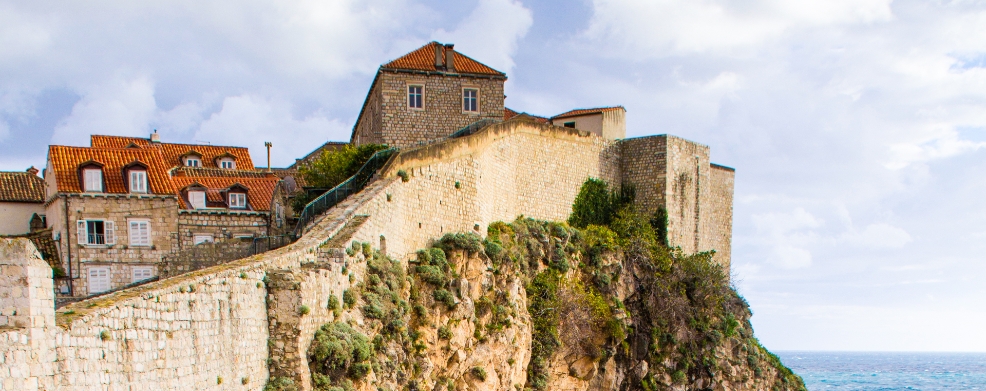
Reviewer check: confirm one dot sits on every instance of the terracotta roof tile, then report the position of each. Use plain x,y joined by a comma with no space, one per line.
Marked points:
66,161
578,112
259,190
172,153
21,186
508,114
219,172
423,59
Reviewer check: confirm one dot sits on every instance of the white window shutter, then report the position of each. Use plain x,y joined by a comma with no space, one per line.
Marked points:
110,232
81,228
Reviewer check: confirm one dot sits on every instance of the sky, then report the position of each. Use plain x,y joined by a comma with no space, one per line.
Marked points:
857,127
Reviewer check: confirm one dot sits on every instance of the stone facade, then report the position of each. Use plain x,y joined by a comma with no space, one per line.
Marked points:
387,119
121,257
220,225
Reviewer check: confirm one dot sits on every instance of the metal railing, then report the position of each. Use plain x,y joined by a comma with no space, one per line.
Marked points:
339,193
473,127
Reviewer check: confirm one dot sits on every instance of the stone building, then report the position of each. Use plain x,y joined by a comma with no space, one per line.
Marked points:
118,207
22,197
430,93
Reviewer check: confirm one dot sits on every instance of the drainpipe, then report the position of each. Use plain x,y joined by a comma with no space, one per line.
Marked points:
68,250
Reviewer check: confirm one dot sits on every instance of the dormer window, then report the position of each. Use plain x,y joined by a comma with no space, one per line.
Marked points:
197,199
138,181
237,201
93,178
227,163
192,161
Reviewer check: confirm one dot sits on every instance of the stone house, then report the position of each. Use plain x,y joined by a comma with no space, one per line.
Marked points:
22,197
119,206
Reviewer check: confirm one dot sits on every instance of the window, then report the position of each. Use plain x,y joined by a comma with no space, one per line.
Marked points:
228,164
237,200
199,239
140,233
192,162
197,199
95,232
570,124
414,96
99,279
469,99
94,179
138,181
141,273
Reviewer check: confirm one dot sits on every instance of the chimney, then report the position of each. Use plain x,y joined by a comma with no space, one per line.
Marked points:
449,57
439,54
155,138
32,170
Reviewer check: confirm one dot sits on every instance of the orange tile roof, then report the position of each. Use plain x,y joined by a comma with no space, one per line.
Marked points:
578,112
259,190
219,172
21,186
423,59
508,114
174,152
66,160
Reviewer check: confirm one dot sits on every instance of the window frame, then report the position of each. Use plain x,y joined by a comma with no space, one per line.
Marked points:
196,237
142,175
224,161
90,279
191,200
86,180
474,99
420,95
134,273
230,197
131,231
84,237
190,159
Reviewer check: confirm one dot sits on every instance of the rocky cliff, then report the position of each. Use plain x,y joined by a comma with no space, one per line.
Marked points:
543,306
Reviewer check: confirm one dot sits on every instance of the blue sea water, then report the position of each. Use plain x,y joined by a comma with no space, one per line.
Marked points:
857,371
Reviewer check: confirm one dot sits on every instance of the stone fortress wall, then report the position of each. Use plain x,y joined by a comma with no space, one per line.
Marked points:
231,326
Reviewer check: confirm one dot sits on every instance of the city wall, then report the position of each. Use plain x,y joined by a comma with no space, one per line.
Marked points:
229,327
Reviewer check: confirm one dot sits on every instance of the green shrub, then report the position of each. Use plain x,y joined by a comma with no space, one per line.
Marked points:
280,384
444,333
592,204
105,335
403,175
678,377
349,298
337,352
444,296
479,373
660,224
367,250
335,166
304,310
431,274
333,303
468,241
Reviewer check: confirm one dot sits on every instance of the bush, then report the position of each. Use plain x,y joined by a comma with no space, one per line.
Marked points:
338,351
592,204
304,310
479,373
444,333
280,384
403,175
431,274
333,303
469,242
349,298
444,296
334,167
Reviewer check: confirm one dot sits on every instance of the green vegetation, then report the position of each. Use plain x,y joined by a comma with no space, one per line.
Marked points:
332,168
280,384
479,373
304,310
403,175
338,356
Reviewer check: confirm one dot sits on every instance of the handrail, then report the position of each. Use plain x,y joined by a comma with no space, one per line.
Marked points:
473,127
343,190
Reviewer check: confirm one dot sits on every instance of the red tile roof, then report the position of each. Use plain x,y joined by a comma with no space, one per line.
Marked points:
166,175
259,190
423,59
21,186
578,112
66,161
508,114
174,152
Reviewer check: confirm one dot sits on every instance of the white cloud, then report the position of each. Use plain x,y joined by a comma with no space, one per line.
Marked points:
790,257
249,120
117,107
878,235
490,32
664,27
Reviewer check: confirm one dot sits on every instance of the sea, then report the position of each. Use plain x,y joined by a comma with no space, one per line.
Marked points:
845,371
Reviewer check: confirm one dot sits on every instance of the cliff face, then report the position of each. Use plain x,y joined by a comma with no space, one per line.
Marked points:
543,306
